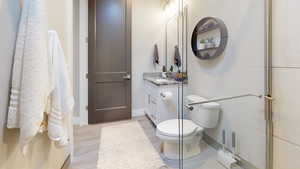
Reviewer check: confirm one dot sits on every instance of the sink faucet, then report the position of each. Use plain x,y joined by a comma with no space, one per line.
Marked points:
164,75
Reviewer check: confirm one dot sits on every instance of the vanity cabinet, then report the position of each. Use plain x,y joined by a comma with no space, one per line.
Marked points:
157,108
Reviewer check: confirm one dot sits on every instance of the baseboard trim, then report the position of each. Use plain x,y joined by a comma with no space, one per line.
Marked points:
138,112
217,146
67,163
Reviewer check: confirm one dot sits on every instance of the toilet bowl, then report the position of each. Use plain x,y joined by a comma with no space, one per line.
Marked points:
187,132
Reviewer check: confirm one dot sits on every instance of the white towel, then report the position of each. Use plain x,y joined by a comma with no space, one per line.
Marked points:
31,84
62,100
13,117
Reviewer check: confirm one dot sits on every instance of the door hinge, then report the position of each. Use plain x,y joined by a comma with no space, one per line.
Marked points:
87,107
87,76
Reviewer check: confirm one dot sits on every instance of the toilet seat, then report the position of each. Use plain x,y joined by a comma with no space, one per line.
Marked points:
170,128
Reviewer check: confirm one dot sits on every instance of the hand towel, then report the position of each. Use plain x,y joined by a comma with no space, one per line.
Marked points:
62,100
177,57
31,84
156,55
13,117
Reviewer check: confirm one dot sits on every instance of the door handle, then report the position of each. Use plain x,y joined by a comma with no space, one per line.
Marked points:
127,77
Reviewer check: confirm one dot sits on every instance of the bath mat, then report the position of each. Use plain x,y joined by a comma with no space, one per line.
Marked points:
125,146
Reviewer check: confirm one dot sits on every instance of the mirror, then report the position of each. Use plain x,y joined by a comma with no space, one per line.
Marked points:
209,38
175,45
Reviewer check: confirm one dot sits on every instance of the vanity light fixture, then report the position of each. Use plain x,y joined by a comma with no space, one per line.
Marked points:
172,7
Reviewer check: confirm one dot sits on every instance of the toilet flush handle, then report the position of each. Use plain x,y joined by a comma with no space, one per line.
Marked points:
191,108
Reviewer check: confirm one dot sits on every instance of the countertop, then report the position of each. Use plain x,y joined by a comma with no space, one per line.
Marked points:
158,80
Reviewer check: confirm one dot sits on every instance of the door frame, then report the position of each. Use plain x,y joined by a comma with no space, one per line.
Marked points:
81,63
92,30
81,66
268,83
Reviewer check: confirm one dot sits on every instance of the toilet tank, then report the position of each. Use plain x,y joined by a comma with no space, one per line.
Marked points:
205,115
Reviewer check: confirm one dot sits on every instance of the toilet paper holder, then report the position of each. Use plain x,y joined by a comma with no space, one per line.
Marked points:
162,95
166,96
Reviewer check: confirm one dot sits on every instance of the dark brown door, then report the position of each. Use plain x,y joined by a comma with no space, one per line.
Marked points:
109,60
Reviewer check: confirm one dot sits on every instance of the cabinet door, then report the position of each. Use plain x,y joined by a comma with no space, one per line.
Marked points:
153,110
147,97
147,103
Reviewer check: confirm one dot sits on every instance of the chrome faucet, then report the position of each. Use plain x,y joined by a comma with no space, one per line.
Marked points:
164,75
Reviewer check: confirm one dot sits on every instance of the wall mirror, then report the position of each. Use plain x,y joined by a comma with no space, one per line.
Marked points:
175,44
209,38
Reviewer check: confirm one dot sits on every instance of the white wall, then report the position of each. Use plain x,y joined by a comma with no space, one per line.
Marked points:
286,81
42,153
148,28
240,70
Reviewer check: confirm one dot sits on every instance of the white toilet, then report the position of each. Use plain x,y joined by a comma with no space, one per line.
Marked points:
201,117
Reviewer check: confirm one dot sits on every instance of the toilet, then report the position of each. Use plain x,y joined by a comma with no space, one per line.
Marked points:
202,117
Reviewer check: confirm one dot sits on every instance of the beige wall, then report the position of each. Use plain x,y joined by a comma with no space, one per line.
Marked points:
239,70
148,27
286,81
60,18
42,154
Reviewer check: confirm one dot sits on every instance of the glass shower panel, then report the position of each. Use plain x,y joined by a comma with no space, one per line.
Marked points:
223,59
175,67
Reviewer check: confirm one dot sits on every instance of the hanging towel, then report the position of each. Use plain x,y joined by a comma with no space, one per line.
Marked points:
177,57
156,55
31,83
13,118
61,98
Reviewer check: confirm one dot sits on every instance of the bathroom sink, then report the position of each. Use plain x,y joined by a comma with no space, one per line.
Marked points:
162,81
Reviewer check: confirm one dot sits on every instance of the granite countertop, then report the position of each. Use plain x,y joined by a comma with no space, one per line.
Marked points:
161,81
158,80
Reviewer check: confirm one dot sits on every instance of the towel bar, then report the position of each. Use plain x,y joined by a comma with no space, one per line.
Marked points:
190,106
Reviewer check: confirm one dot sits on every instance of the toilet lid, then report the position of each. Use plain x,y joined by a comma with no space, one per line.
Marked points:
170,127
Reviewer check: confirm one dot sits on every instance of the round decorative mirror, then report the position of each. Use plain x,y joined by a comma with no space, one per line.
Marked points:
209,38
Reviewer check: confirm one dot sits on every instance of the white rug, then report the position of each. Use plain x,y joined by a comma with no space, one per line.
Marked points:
125,146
